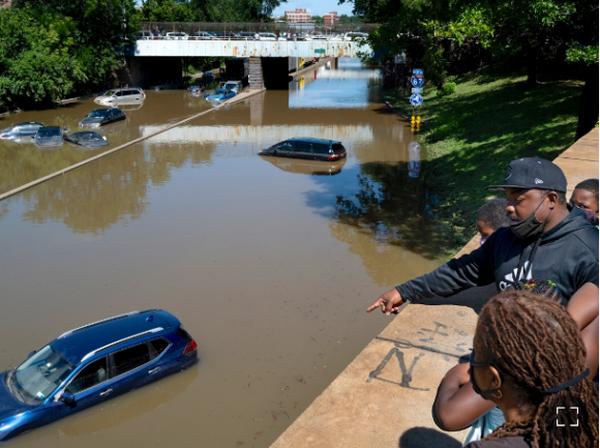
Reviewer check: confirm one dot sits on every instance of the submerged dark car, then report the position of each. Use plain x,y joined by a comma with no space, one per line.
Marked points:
88,139
307,148
49,136
91,364
99,117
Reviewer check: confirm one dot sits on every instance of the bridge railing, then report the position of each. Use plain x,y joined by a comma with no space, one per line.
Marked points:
257,27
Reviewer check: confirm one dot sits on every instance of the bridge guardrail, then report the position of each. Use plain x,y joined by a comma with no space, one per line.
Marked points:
274,27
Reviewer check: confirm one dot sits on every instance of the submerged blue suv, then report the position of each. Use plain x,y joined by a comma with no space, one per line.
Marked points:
90,364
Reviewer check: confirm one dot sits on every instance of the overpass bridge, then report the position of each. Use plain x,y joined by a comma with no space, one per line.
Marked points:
263,63
250,48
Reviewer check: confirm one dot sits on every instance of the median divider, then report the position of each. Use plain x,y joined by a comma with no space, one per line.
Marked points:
240,97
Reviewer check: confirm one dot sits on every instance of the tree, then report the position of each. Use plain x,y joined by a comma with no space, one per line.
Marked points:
168,11
37,58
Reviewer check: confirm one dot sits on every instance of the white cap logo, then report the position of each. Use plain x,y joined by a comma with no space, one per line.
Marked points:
538,181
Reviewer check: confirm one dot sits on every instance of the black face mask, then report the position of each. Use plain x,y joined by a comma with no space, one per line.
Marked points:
530,226
486,394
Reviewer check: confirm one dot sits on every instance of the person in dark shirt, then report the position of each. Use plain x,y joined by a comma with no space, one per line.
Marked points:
490,217
529,359
585,197
544,242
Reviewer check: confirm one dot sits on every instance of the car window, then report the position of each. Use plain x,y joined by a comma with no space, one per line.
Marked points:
157,346
320,148
302,147
95,373
41,373
130,358
338,148
119,93
285,146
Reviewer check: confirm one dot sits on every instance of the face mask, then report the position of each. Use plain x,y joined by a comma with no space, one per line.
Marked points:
486,394
529,227
589,215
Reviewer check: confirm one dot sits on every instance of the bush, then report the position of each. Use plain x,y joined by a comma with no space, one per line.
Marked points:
447,89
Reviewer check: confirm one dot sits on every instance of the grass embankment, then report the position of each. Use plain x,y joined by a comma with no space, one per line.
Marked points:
469,137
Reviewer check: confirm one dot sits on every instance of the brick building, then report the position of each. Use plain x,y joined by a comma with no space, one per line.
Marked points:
299,15
330,19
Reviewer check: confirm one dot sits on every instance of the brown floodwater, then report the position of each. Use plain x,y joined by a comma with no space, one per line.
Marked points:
268,263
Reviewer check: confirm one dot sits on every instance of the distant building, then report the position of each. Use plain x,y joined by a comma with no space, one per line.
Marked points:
299,15
5,3
330,19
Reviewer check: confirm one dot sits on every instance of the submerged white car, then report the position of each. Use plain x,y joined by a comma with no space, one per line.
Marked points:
124,96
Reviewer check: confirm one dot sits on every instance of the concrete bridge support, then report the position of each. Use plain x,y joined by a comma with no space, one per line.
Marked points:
151,71
255,74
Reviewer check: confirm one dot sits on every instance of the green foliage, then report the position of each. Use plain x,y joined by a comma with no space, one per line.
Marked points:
168,11
586,54
52,48
524,31
473,134
448,88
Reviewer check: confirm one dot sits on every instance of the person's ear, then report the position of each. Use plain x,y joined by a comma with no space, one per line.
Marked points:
495,382
552,199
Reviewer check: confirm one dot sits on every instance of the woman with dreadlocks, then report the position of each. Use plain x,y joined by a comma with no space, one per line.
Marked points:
529,359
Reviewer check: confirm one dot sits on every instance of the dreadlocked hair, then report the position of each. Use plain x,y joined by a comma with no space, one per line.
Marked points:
536,345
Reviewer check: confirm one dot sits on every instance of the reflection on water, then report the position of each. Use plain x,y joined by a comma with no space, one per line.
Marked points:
306,166
351,86
269,269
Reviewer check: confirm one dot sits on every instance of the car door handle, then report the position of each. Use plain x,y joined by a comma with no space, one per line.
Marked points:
106,392
153,371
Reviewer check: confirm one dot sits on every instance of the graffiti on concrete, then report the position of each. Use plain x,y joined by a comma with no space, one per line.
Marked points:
407,373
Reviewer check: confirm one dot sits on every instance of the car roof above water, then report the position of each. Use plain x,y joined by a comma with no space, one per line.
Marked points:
322,141
76,343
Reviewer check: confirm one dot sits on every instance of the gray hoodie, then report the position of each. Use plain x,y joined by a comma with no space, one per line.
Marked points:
567,255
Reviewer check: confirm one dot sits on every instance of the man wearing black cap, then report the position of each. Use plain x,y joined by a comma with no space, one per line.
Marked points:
545,244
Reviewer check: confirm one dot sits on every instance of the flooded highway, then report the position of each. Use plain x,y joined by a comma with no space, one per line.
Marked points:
269,263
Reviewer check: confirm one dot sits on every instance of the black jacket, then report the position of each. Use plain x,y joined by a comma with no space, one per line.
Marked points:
567,255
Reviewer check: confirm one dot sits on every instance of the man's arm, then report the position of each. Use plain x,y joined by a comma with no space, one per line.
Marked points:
583,306
474,269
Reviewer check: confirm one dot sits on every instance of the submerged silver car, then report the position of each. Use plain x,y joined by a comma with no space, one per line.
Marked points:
21,131
119,97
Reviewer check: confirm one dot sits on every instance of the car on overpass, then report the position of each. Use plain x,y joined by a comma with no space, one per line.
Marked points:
267,36
201,35
176,35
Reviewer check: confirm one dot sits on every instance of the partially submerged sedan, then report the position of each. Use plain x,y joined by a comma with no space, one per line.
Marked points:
21,132
99,117
90,364
49,137
307,148
87,139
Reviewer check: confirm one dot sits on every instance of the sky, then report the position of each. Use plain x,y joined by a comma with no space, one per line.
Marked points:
314,7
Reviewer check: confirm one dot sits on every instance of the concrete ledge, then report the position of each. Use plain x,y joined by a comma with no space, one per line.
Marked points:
384,397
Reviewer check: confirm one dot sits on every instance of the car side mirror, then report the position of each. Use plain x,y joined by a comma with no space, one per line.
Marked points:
68,399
